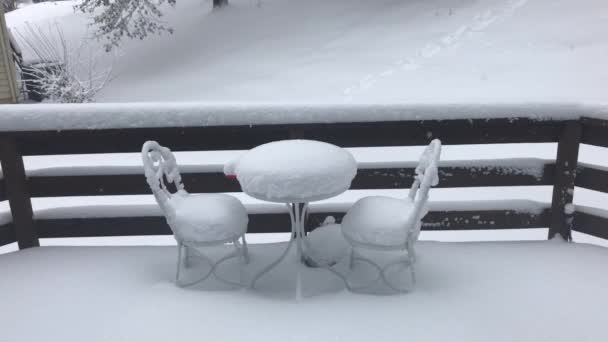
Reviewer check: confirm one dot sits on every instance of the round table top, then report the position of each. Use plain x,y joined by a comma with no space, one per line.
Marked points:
291,171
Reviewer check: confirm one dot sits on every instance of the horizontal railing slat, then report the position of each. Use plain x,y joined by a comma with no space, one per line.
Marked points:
123,185
590,224
485,219
594,132
591,178
456,177
275,223
472,220
7,234
385,178
358,134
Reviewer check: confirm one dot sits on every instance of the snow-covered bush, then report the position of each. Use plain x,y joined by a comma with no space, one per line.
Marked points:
115,19
60,73
8,5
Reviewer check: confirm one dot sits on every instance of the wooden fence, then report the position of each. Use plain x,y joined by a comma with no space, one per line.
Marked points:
563,174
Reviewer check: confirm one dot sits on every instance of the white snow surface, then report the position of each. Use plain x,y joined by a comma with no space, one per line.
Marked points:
342,51
294,171
474,292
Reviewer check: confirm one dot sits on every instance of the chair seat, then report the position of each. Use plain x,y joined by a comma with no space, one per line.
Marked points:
207,217
379,221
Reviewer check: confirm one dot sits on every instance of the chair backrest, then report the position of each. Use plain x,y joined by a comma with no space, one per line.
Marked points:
429,157
427,176
160,168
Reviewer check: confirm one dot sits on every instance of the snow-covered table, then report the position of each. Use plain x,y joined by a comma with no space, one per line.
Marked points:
294,172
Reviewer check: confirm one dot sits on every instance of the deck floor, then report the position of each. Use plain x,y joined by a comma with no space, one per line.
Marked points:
496,291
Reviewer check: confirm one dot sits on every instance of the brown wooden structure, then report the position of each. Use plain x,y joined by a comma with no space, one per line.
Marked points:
563,174
9,91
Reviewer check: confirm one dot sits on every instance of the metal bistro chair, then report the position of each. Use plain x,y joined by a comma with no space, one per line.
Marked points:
392,224
197,220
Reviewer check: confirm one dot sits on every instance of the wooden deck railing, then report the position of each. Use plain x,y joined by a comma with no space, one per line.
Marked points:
563,174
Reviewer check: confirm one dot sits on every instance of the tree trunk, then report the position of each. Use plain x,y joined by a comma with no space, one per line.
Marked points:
220,3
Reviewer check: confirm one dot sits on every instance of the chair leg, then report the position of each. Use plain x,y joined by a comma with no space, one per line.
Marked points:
181,248
408,264
179,262
245,250
202,256
411,251
411,255
187,256
241,250
413,274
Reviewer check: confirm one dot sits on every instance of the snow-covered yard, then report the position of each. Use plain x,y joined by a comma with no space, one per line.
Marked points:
501,291
356,51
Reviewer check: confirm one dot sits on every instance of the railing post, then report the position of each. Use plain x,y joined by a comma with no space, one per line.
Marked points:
565,173
17,193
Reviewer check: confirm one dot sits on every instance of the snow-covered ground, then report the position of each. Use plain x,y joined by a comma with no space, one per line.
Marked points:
358,51
525,291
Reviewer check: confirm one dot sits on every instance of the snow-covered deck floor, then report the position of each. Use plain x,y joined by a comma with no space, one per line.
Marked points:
497,291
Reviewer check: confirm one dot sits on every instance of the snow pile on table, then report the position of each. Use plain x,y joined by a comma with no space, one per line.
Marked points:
294,171
475,292
359,51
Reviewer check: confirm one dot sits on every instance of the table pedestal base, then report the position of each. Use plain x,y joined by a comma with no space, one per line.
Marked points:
297,213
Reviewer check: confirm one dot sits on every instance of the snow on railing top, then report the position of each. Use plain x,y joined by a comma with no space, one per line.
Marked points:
501,198
87,167
37,117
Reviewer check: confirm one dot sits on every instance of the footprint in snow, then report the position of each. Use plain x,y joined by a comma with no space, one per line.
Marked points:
483,21
387,72
366,82
409,65
430,50
454,36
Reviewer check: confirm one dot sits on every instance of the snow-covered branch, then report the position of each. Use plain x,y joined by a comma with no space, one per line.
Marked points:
130,18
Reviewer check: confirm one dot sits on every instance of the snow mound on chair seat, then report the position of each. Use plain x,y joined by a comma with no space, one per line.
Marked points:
207,217
294,171
379,220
